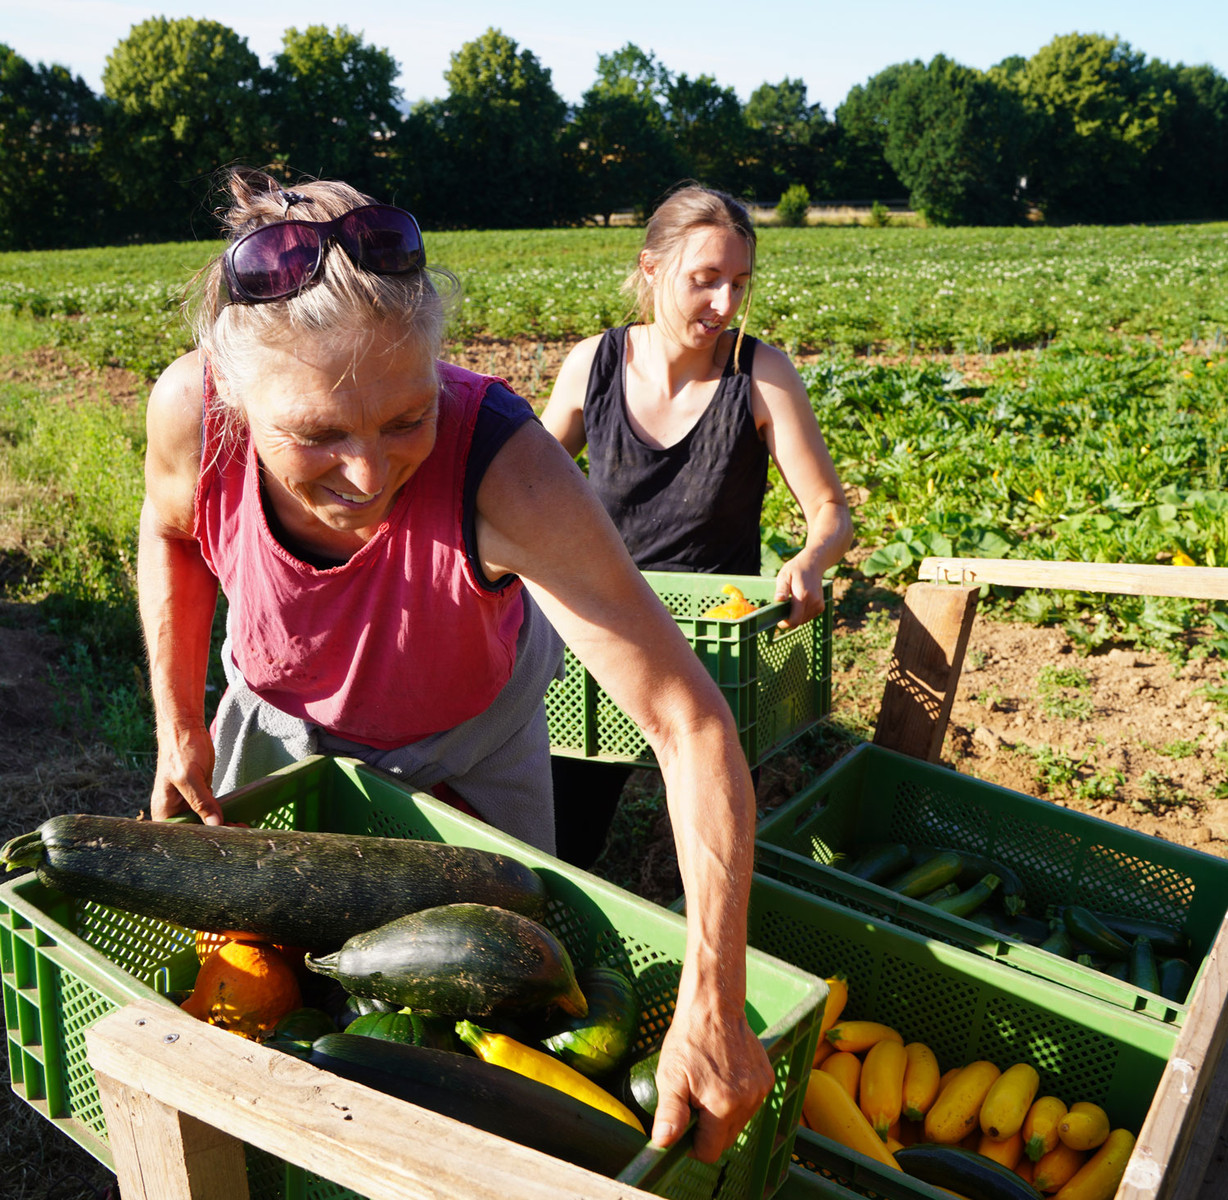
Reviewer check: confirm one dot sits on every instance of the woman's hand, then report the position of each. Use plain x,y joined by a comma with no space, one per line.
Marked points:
182,782
711,1063
801,581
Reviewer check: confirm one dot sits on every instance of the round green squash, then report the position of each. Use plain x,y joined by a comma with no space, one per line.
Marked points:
408,1028
599,1043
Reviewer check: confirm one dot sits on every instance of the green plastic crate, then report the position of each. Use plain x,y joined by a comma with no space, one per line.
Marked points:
964,1007
777,684
1061,857
66,963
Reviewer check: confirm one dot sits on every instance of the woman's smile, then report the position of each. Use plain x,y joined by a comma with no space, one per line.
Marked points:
339,430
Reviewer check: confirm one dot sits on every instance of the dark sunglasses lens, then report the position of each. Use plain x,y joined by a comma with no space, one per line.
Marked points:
385,241
276,260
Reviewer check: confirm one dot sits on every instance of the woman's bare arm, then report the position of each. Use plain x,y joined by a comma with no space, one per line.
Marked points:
795,442
177,594
538,518
563,415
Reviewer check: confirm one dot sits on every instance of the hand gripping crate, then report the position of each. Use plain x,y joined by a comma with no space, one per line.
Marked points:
778,684
1061,857
965,1007
64,964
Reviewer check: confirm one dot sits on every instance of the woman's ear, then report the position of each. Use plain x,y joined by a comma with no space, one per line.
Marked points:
648,265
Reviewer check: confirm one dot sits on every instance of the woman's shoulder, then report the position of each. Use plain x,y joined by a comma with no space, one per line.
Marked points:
176,400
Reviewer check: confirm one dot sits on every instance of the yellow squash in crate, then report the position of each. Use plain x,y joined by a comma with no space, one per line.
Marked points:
736,606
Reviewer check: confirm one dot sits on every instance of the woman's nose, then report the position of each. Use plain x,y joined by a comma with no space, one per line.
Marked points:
363,466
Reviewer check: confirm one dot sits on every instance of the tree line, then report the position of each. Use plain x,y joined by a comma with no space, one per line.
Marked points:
1086,130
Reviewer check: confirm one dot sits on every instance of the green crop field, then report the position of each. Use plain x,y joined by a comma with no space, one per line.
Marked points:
1050,393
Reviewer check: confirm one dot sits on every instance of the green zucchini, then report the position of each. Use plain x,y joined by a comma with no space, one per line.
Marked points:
879,862
1176,977
1142,962
599,1042
637,1088
302,1026
963,1171
458,960
1118,969
1020,928
1059,941
927,876
1166,940
294,887
408,1028
946,891
487,1097
1085,927
977,866
970,899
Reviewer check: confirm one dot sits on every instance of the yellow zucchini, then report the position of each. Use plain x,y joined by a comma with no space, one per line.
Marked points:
1008,1101
1084,1127
1040,1126
1007,1151
1097,1179
833,1006
954,1114
503,1051
858,1036
846,1068
1057,1168
882,1084
832,1113
921,1080
1025,1168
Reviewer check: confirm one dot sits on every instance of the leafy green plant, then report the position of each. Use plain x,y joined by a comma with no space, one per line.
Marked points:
879,215
1064,692
793,205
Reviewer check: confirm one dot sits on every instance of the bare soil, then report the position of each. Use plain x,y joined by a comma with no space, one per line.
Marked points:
1147,734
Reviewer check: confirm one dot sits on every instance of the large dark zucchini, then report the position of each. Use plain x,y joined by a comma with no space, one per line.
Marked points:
460,960
293,887
487,1097
1165,939
962,1171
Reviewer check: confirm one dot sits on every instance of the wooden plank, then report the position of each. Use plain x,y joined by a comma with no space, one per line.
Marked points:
161,1154
375,1145
1156,1168
1129,579
925,666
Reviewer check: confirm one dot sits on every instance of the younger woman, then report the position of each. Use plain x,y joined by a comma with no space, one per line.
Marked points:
680,415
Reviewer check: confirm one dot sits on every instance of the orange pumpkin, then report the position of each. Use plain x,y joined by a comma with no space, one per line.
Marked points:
244,987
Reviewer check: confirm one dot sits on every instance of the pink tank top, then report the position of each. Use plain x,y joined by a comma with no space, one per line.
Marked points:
401,641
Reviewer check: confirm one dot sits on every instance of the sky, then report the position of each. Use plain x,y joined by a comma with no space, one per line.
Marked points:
830,47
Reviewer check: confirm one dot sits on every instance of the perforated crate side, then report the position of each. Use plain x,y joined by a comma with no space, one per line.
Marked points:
777,683
1061,857
965,1007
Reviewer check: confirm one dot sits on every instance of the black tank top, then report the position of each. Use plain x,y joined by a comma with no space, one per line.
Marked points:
692,506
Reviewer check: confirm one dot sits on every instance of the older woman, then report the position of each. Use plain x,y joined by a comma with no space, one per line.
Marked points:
397,540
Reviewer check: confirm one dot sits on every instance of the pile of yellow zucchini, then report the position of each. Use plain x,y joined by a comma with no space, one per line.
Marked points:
976,1129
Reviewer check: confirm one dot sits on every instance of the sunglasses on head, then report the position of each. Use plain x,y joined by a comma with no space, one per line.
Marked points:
281,258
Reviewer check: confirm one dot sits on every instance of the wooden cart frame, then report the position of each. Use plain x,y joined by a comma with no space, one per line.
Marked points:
181,1097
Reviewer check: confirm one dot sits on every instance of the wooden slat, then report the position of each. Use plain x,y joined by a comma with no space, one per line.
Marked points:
1155,1170
161,1154
375,1145
925,667
1129,579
